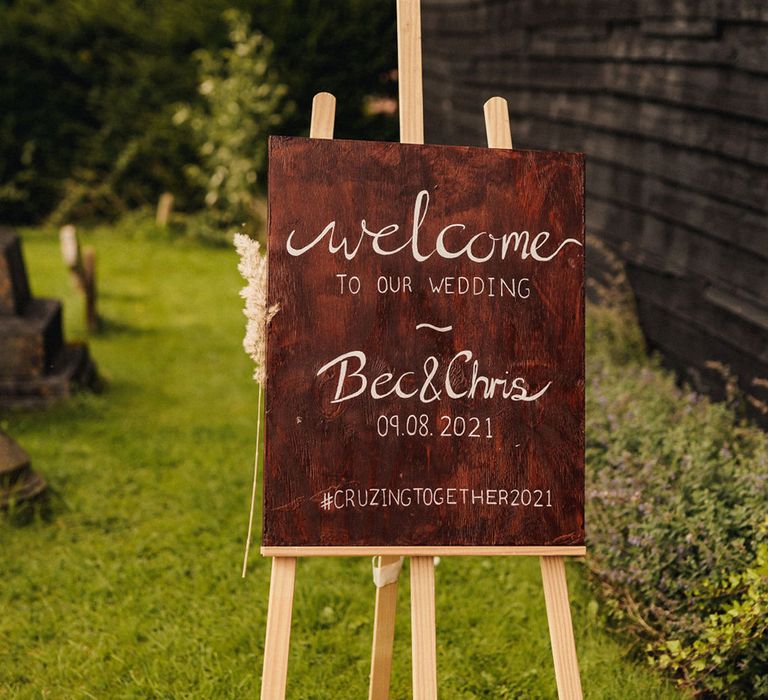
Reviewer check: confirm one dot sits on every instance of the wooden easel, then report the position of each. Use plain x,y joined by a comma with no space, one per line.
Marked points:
422,569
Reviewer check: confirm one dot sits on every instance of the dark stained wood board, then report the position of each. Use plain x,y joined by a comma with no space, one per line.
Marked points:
335,466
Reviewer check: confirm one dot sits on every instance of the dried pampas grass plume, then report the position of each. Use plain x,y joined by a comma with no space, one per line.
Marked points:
253,268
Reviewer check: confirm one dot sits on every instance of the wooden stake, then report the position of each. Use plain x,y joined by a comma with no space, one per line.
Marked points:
164,209
561,628
89,287
275,672
423,637
70,251
82,269
383,636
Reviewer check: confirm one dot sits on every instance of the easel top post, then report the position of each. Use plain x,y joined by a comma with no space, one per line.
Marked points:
323,116
497,127
411,99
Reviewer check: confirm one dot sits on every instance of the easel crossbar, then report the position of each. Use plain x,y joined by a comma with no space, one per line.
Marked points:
449,551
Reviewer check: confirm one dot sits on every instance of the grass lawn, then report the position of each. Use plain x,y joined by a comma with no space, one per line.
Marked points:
131,586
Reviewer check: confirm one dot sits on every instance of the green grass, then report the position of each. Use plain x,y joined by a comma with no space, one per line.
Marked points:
130,586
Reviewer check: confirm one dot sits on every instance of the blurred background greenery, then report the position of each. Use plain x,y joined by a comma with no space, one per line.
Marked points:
108,103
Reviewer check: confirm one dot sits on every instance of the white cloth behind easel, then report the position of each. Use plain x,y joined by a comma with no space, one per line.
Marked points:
389,573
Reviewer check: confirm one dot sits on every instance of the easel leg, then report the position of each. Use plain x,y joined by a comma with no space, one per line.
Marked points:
276,646
423,636
383,636
561,628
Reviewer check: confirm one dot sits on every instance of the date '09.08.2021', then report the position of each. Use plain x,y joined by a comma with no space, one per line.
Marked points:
419,425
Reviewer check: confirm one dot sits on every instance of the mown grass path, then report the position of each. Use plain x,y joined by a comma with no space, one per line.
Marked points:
131,588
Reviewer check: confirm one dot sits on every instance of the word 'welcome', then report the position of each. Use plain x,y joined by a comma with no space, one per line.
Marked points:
480,248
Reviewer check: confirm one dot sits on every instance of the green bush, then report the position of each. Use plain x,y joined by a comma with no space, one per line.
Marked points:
677,514
243,101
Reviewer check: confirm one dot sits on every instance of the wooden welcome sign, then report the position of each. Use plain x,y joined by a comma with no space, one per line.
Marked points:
426,364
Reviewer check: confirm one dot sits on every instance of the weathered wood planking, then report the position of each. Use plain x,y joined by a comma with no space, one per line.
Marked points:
674,126
317,445
670,102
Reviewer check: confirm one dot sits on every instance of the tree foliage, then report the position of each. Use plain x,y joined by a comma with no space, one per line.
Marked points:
89,89
242,101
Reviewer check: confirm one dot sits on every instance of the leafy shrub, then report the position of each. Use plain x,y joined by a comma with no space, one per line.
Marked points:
714,658
677,504
243,102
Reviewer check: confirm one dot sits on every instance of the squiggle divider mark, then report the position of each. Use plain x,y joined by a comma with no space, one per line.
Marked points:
434,328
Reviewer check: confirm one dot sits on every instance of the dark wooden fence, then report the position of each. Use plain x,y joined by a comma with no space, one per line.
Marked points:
669,100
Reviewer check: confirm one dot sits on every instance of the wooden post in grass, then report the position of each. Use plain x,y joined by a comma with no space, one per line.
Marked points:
89,282
164,209
70,253
82,269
